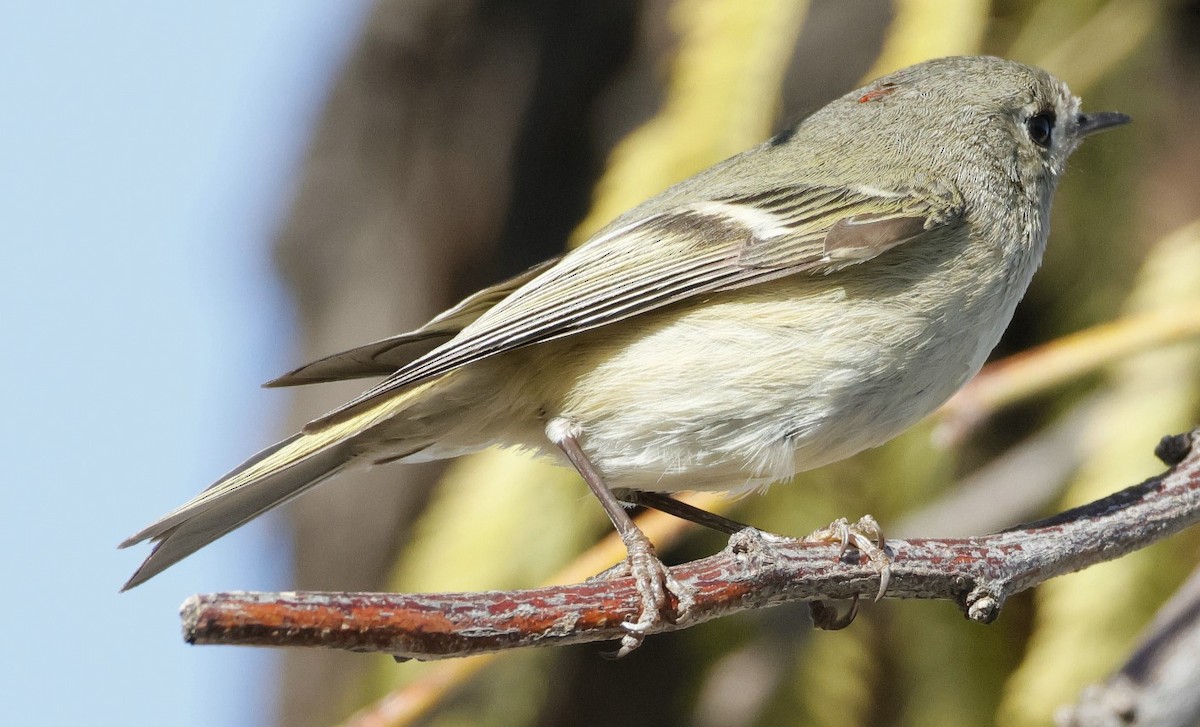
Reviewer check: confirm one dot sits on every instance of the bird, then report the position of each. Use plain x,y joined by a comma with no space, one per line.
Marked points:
795,304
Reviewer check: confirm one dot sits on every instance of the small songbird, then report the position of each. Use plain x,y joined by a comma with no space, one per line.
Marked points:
786,308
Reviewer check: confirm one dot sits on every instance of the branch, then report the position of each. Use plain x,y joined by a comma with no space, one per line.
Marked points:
1157,685
756,570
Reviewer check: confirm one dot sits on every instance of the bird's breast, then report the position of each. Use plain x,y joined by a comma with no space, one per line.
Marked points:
747,387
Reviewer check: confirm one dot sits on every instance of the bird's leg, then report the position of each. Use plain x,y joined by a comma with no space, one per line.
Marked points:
654,580
677,508
684,511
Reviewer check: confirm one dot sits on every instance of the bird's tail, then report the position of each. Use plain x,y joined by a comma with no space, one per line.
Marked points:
266,480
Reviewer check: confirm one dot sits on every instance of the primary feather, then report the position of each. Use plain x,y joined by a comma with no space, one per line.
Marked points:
386,356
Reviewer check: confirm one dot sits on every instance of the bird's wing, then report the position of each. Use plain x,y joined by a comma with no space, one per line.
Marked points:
388,355
697,248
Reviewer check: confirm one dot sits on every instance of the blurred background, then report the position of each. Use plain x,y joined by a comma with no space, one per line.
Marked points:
197,199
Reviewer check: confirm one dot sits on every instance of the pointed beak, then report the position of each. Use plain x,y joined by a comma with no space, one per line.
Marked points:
1087,124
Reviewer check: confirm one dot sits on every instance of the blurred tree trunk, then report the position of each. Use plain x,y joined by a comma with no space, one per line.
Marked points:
458,146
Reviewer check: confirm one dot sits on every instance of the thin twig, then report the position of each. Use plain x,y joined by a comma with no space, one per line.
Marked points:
756,570
1037,370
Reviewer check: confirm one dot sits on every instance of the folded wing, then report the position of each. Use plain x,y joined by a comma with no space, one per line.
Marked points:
698,248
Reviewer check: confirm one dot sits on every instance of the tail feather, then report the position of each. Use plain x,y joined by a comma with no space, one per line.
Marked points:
266,480
192,527
272,460
228,504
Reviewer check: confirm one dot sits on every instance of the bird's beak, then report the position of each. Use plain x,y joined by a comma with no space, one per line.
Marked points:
1086,124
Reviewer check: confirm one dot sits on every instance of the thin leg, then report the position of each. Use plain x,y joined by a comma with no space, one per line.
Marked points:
653,579
684,511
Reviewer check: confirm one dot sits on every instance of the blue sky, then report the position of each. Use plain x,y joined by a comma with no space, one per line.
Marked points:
147,154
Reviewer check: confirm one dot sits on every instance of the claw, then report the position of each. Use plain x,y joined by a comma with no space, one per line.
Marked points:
827,618
867,537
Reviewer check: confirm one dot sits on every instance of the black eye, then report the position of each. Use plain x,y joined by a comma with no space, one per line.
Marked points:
1041,126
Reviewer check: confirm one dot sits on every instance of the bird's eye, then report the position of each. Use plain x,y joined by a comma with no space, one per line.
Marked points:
1041,127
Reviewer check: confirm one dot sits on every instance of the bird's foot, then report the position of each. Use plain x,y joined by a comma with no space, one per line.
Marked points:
655,585
867,537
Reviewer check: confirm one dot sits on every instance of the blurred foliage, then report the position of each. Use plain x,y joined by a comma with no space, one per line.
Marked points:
501,520
923,29
723,96
1086,622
